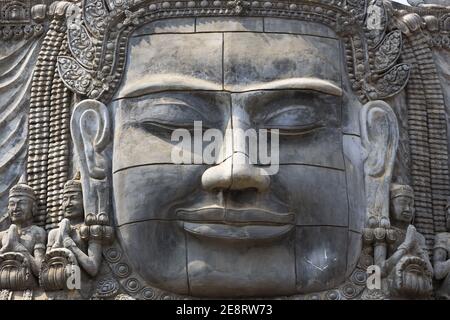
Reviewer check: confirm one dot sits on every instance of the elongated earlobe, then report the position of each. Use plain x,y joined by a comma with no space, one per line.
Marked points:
90,128
379,135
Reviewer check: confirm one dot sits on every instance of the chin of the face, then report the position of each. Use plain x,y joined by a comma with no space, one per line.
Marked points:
16,216
405,216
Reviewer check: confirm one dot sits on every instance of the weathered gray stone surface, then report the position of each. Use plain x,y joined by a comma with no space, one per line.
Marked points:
356,124
229,25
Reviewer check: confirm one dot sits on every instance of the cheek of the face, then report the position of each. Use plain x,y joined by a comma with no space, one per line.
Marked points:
72,205
23,210
145,202
318,196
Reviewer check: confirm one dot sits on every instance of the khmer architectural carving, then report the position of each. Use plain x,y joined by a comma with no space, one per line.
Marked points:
352,96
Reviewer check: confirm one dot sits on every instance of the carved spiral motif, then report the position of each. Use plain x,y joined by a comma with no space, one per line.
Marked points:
349,291
122,270
148,293
333,295
107,288
132,285
113,255
359,277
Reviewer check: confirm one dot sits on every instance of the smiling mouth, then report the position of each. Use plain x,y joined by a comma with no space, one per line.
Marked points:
235,224
407,214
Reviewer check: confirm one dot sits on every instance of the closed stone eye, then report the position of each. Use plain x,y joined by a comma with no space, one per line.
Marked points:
296,120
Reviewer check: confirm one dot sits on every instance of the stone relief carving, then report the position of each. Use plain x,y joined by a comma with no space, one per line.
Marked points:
113,78
72,243
441,261
23,244
400,251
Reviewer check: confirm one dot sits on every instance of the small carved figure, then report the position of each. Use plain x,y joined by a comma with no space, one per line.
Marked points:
408,270
23,244
401,207
441,260
71,235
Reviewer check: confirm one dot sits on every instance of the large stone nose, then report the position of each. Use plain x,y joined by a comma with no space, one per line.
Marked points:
235,173
235,169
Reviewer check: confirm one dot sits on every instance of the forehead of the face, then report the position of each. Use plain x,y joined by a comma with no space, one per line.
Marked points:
232,54
72,194
22,199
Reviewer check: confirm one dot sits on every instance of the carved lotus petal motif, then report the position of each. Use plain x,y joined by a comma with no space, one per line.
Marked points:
77,78
95,14
389,83
388,52
81,45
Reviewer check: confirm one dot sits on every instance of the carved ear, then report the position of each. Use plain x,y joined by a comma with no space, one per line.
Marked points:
90,128
379,135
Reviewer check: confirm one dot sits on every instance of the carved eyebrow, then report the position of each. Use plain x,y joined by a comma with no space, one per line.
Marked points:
165,82
159,83
314,84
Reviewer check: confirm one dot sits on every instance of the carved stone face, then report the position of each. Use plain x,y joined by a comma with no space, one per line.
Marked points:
220,230
402,208
20,209
72,205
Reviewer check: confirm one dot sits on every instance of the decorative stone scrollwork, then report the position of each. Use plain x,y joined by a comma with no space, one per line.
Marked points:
74,75
239,6
388,52
109,47
19,21
80,45
95,16
389,83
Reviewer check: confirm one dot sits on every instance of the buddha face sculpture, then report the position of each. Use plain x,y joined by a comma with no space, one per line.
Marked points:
21,204
225,230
